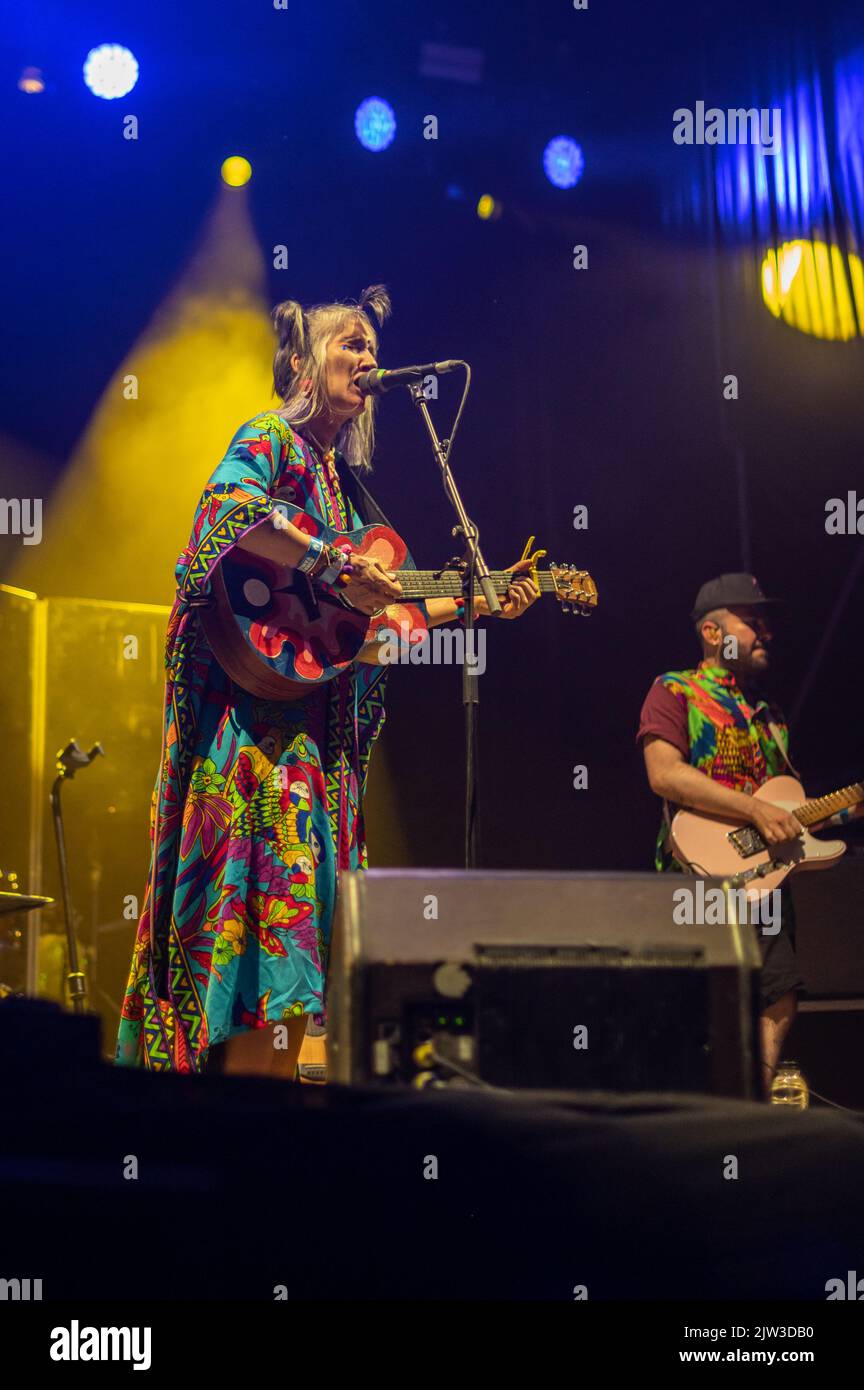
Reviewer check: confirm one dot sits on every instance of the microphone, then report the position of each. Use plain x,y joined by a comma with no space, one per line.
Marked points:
376,382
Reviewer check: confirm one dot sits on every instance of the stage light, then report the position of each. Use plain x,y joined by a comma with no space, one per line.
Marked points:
216,311
110,71
236,171
31,81
789,263
563,162
488,208
374,124
815,288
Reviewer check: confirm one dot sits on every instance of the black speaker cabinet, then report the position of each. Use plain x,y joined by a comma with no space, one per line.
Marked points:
829,916
538,980
827,1037
827,1042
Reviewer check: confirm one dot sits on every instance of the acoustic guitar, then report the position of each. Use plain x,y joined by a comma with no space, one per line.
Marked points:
280,636
725,849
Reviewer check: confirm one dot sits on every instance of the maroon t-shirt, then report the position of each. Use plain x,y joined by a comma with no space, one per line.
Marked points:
665,715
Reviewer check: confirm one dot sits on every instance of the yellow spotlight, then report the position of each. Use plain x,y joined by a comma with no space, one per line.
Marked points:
236,171
31,81
156,419
815,288
488,208
789,267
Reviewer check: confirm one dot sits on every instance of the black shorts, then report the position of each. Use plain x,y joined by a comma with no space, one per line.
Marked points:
779,973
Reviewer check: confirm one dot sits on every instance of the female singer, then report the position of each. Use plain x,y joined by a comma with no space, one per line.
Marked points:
258,803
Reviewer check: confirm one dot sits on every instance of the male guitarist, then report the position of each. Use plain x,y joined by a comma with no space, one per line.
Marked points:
709,740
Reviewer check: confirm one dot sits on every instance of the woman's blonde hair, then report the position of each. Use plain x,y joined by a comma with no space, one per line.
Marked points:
308,333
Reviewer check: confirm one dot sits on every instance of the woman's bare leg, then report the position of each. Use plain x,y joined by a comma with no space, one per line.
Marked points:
254,1053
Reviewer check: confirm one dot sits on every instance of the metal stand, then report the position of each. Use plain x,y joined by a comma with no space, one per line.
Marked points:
69,761
474,571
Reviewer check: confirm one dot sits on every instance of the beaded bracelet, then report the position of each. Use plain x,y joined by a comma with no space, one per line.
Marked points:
337,561
460,610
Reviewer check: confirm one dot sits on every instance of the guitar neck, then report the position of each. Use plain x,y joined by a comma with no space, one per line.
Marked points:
823,806
418,584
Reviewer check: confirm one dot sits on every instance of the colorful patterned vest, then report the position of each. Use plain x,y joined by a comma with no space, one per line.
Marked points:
731,741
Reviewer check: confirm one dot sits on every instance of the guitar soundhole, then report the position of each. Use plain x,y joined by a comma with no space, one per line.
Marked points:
256,593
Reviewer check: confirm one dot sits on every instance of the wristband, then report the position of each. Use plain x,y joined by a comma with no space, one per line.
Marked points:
308,559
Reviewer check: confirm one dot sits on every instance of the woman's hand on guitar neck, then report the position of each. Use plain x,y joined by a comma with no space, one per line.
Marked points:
520,595
370,588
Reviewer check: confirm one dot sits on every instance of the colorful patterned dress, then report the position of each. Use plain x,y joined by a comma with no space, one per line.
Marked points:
258,804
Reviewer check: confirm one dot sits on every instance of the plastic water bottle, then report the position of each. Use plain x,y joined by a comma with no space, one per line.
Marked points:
789,1087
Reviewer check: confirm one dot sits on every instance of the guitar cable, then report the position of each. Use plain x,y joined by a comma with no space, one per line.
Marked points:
835,1104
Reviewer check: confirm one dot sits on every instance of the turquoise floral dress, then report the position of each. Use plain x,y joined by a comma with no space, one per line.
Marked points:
257,805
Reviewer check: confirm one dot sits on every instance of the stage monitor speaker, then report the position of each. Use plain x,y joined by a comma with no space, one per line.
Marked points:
538,980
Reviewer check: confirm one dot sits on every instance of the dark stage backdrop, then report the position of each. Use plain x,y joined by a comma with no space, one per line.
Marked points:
601,387
610,395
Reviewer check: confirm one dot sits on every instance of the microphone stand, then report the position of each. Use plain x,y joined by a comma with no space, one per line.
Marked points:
69,761
475,571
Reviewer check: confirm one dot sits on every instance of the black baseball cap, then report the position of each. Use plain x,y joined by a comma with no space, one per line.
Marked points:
730,591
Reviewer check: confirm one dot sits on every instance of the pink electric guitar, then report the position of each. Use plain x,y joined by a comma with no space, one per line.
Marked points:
280,636
724,849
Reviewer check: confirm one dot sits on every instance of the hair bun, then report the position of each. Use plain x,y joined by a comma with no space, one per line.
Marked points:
289,321
290,324
376,298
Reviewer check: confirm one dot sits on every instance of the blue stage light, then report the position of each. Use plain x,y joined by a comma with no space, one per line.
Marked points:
110,70
375,123
563,161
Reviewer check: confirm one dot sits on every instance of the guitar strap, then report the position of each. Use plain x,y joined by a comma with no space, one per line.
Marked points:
775,734
371,515
364,503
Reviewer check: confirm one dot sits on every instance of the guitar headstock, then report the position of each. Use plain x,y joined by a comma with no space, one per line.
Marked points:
574,589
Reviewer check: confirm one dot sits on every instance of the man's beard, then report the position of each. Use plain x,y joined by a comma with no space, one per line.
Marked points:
752,677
